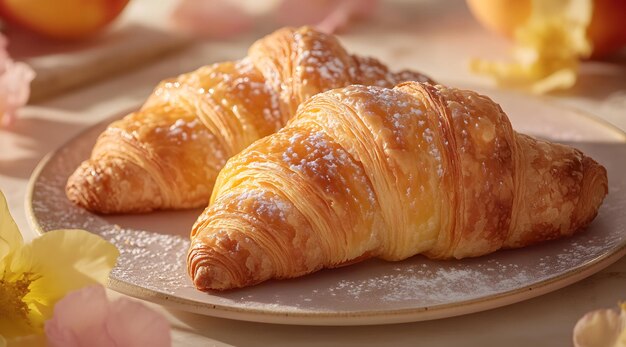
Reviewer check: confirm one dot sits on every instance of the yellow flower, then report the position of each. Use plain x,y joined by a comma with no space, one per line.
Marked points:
548,47
33,277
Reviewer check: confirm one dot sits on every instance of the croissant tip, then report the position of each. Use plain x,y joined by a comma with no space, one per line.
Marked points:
205,274
109,187
595,188
201,279
81,191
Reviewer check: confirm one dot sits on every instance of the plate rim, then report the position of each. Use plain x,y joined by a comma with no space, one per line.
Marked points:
353,318
379,317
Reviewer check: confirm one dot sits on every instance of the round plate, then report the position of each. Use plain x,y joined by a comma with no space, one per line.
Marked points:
153,247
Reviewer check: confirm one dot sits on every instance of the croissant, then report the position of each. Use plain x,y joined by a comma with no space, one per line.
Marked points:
365,172
167,154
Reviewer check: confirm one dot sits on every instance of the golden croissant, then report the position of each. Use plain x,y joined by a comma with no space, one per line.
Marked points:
370,172
167,154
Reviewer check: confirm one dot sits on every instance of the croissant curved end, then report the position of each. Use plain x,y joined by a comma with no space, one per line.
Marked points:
222,261
104,187
205,274
594,190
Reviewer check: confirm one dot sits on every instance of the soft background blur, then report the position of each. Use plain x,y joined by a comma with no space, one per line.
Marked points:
147,31
81,83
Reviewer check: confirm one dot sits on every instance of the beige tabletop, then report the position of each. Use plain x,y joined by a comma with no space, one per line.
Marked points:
434,37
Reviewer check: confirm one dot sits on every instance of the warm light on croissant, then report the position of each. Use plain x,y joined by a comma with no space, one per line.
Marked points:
167,154
365,172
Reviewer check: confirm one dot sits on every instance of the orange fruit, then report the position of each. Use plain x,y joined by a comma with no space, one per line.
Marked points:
61,19
607,30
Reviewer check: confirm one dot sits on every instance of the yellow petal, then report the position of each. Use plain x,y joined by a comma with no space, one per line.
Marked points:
27,341
16,328
562,79
10,236
62,261
621,339
601,328
548,48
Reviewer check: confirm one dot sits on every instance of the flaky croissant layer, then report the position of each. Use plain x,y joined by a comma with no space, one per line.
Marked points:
167,154
365,172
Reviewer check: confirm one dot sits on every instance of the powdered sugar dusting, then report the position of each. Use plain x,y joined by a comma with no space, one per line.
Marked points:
403,113
369,71
415,282
314,156
314,56
271,109
182,130
265,204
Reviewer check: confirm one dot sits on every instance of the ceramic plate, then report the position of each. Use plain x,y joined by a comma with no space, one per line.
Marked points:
153,247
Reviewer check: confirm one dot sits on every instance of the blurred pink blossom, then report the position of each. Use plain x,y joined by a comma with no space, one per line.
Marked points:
223,18
85,318
15,80
327,15
211,18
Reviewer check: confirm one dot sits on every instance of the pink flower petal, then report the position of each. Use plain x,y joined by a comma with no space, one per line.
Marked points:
342,16
131,323
15,81
338,18
304,12
85,318
79,319
326,15
211,18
